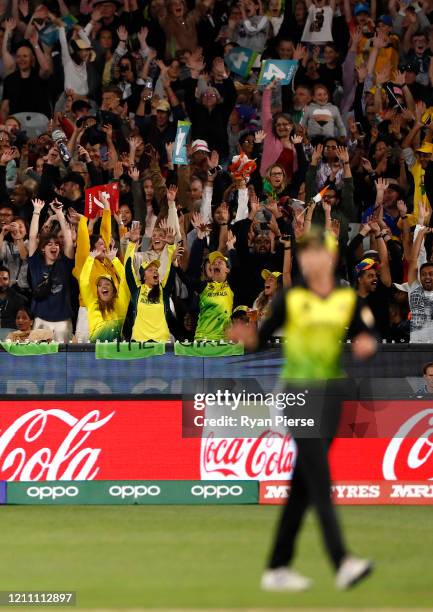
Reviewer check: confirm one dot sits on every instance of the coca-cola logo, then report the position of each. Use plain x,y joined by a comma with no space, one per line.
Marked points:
269,455
409,455
21,458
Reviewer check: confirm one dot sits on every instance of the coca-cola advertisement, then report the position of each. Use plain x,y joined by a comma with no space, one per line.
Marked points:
95,440
135,439
271,456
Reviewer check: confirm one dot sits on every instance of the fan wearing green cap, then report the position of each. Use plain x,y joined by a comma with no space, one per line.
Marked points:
147,296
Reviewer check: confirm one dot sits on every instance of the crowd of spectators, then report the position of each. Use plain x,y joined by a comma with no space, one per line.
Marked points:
92,93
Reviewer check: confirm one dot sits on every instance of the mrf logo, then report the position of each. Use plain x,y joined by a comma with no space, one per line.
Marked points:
277,492
274,492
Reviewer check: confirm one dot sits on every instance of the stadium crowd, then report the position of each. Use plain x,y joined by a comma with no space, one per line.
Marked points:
92,93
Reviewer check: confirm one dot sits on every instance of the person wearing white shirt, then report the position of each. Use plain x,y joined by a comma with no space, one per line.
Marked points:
318,27
75,64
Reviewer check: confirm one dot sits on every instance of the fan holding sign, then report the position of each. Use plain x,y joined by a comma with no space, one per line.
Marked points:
94,205
281,70
240,60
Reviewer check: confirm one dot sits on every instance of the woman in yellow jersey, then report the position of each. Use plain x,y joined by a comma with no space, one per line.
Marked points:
161,245
102,264
216,295
147,296
106,304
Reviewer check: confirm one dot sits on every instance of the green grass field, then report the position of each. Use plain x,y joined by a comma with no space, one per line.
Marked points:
207,557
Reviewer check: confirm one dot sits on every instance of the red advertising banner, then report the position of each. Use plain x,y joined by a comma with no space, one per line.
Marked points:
93,206
93,439
358,492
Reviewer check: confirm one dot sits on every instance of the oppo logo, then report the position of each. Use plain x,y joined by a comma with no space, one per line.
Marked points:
52,492
216,491
135,492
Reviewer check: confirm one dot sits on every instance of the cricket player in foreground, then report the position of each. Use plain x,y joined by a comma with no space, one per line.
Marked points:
315,317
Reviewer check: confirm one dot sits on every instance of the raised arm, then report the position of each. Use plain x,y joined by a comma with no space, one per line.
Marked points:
45,64
409,32
34,226
379,42
83,246
172,218
412,273
266,107
347,11
8,60
124,294
287,265
63,8
384,272
405,230
106,222
130,276
87,292
413,133
66,56
68,243
328,221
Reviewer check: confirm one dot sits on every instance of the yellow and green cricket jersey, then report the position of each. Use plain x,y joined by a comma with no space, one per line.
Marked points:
104,325
99,267
314,329
150,322
216,305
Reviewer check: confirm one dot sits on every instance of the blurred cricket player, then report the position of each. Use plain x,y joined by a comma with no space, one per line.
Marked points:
315,317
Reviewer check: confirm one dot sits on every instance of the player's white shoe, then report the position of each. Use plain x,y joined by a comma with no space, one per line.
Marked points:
351,571
283,579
